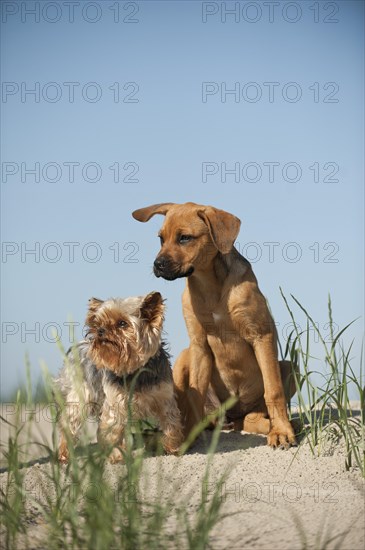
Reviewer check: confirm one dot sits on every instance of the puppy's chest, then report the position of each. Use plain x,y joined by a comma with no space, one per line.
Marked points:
219,324
226,339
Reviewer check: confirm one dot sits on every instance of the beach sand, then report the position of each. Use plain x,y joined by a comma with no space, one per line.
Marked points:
271,499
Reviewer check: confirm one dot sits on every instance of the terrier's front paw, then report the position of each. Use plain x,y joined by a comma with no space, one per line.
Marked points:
116,456
63,454
172,443
172,450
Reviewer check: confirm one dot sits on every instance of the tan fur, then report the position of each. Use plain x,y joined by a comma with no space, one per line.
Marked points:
233,341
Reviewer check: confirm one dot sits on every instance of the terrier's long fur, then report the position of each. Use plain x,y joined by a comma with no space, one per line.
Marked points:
122,363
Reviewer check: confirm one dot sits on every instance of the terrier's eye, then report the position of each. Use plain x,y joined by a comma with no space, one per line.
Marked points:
185,239
161,240
122,324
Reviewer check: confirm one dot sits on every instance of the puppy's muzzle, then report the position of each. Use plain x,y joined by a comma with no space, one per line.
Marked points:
167,269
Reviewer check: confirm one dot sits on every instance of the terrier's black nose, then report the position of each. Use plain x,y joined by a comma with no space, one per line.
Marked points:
101,331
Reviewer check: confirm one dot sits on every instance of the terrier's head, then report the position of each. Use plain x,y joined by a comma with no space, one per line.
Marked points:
124,333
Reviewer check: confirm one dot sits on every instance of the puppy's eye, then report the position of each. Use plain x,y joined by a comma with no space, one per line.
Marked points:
161,240
185,239
122,324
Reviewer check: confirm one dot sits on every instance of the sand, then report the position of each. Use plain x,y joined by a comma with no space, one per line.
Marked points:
271,499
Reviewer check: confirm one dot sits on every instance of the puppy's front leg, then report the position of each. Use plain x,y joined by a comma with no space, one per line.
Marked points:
171,427
281,432
200,371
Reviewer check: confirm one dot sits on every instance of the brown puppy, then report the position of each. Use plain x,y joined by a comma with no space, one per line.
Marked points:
233,340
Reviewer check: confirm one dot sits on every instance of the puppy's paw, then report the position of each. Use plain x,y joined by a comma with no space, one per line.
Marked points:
281,436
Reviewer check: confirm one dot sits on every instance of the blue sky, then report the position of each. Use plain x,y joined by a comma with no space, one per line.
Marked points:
292,130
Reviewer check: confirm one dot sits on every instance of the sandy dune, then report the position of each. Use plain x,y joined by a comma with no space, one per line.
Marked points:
274,499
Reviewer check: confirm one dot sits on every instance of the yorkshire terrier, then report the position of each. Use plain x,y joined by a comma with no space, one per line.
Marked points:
120,371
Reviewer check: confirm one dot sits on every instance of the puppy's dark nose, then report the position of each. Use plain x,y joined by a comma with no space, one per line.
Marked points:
101,331
160,263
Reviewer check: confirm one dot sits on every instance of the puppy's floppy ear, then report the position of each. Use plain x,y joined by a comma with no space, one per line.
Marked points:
145,214
152,309
223,227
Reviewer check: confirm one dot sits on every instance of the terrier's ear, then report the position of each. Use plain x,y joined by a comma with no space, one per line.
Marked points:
94,304
152,309
145,214
223,227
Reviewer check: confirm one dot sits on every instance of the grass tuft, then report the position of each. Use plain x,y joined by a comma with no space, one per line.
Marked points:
325,411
